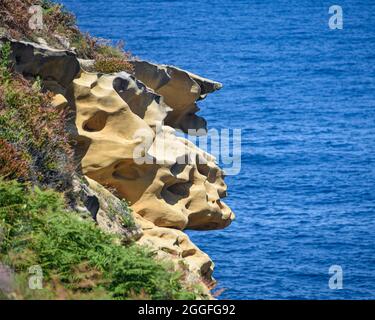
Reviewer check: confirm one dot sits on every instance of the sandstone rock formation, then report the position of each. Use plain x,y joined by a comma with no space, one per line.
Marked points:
167,191
57,68
112,215
181,91
128,149
181,187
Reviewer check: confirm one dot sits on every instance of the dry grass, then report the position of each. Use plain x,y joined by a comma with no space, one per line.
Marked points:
15,16
13,164
111,65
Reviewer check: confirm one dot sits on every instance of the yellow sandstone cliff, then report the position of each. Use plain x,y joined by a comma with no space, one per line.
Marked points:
124,127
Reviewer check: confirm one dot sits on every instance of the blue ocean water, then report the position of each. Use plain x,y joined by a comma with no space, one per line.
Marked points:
304,97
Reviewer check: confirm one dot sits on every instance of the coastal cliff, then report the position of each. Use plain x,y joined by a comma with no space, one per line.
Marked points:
129,163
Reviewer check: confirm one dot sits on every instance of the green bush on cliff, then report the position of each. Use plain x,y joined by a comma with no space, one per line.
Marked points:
77,259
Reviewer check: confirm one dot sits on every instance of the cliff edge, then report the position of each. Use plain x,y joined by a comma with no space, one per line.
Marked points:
122,126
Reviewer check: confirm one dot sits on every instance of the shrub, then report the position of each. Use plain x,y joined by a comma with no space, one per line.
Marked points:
15,18
105,64
32,130
74,254
127,216
104,48
57,18
13,164
5,62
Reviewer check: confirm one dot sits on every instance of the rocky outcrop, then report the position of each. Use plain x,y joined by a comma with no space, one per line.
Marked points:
170,182
115,116
112,215
57,68
181,91
127,148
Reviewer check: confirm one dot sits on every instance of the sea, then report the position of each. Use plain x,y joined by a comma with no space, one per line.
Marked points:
303,96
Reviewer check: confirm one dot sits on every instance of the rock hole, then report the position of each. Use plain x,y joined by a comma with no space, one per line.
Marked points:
92,204
96,123
180,189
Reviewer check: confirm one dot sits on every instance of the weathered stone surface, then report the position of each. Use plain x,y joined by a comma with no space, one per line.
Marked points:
121,119
165,192
59,101
176,245
57,68
95,201
180,89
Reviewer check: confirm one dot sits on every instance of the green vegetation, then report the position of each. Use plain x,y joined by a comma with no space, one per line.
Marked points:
127,219
5,63
33,141
76,257
123,212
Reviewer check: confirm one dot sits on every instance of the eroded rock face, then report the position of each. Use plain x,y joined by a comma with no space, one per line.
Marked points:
167,191
94,201
181,91
128,148
57,68
174,244
184,194
171,184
